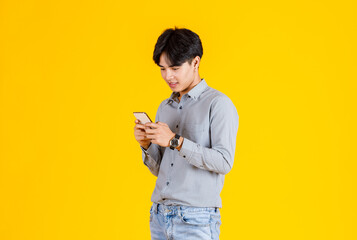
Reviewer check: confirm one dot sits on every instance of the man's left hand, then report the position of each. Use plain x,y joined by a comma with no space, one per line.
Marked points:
159,133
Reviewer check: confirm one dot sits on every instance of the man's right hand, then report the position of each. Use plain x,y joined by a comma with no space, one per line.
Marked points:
140,134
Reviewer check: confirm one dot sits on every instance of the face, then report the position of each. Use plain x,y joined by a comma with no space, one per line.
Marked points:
180,78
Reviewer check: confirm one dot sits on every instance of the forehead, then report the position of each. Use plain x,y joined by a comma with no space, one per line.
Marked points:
164,61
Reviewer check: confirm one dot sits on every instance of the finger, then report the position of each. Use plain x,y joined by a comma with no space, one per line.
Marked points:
138,136
152,125
150,130
162,123
137,121
140,126
139,132
141,135
151,136
142,138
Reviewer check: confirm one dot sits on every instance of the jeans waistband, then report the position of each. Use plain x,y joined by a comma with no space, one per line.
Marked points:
161,208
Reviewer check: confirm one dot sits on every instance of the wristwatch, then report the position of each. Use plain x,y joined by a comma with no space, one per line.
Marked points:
175,142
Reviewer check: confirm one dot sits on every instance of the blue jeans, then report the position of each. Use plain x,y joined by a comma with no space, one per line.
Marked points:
184,223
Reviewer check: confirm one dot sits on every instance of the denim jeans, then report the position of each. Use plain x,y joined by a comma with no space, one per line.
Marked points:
184,223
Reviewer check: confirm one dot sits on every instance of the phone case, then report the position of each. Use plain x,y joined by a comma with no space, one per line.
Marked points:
143,117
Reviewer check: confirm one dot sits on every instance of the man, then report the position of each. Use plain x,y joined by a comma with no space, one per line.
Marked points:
190,147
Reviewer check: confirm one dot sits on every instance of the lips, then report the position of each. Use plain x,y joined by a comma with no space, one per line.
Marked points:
173,84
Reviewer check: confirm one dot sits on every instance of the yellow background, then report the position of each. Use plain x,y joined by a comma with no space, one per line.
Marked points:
72,73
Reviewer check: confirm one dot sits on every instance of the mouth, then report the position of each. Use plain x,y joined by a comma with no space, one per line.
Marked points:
173,84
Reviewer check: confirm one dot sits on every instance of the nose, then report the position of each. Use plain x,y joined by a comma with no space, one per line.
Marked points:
169,75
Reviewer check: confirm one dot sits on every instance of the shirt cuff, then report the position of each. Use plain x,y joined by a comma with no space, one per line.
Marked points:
187,149
152,150
144,150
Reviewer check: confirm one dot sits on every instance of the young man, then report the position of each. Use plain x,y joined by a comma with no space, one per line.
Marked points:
190,147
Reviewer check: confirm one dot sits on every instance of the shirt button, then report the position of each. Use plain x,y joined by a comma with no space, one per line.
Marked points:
167,183
180,107
172,164
176,126
184,156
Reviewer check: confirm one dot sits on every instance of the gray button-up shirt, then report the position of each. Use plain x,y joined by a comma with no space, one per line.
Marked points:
194,176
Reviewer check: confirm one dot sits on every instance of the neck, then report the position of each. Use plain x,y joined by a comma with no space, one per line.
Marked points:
196,81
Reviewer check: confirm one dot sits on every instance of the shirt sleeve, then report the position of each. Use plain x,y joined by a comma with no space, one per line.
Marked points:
152,158
153,155
224,121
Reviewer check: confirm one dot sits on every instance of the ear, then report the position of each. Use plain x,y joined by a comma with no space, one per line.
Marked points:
196,62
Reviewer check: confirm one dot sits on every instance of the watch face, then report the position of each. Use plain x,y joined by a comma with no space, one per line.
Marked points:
174,142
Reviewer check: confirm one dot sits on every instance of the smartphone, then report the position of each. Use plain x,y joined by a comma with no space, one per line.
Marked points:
142,116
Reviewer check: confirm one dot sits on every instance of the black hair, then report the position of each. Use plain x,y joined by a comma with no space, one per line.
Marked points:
179,44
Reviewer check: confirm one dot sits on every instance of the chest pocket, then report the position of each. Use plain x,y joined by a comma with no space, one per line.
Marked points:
193,131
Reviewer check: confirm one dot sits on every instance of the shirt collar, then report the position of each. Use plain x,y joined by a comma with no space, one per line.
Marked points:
194,92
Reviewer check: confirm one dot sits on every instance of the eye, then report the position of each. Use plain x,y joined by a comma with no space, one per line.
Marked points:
175,69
